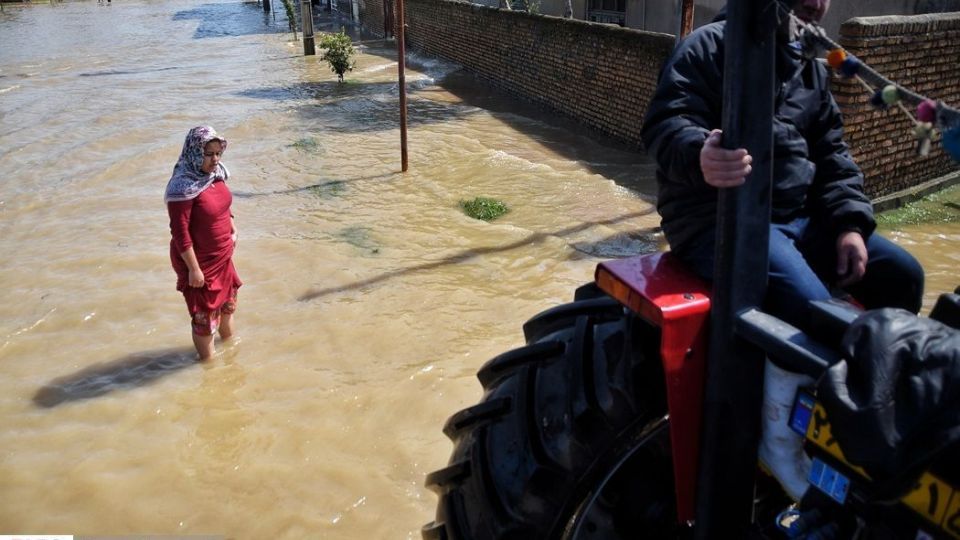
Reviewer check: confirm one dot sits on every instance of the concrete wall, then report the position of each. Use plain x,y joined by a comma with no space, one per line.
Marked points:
603,76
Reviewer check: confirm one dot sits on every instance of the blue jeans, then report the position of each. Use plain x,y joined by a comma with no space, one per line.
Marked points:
803,268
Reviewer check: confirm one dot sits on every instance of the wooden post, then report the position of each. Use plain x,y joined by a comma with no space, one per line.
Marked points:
388,23
734,386
686,18
306,15
401,61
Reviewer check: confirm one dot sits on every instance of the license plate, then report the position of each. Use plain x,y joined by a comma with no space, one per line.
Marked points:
935,500
829,480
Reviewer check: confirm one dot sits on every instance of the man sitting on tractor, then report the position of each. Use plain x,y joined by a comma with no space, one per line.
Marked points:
822,224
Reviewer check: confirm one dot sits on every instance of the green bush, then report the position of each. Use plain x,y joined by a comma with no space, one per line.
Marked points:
484,208
339,50
291,17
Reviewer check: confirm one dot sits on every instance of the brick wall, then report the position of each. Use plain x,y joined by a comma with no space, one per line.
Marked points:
920,53
603,76
372,16
600,75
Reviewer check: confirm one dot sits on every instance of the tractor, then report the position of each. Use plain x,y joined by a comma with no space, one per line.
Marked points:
634,411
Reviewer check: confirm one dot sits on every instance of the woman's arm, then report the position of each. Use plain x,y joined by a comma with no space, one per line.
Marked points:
196,278
180,212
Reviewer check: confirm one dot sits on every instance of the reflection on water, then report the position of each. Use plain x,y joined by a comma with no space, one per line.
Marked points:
230,19
370,299
214,448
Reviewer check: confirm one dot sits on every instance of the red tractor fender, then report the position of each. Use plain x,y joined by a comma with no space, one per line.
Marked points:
659,288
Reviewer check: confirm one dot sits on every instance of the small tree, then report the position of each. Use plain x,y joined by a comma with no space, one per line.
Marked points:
291,17
339,50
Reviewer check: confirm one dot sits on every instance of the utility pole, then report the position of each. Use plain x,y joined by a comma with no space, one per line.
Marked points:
306,15
734,383
401,62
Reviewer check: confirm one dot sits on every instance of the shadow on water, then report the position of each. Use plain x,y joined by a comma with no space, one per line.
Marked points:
125,71
135,370
628,166
233,19
325,92
354,107
555,130
645,241
319,187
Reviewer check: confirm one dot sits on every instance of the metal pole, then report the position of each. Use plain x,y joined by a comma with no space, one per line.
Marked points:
306,15
403,87
734,387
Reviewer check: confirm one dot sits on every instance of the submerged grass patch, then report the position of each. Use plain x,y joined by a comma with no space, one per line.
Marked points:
940,207
358,237
307,144
484,208
326,190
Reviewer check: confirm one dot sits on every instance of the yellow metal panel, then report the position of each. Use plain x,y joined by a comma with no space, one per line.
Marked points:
929,498
951,518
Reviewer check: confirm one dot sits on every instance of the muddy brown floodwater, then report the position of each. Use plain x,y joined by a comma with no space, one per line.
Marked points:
370,298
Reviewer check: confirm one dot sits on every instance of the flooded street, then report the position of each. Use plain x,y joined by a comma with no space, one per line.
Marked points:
369,298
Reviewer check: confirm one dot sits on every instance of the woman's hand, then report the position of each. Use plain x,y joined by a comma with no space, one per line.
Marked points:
196,278
723,168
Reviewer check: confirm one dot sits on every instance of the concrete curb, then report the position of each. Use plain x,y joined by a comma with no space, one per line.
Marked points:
900,198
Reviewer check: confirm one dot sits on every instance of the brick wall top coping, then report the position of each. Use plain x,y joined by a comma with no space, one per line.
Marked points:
887,24
584,26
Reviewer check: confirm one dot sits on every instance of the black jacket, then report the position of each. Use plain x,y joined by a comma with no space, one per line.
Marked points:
813,172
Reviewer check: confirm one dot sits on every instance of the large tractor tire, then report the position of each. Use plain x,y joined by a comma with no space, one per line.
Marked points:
570,439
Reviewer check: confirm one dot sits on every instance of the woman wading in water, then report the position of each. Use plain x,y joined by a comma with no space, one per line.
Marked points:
203,237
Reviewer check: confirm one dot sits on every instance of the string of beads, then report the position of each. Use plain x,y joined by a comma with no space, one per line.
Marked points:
931,120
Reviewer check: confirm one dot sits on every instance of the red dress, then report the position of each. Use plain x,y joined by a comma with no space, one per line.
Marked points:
204,223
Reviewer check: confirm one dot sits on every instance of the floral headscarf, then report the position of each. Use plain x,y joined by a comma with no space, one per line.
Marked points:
188,180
